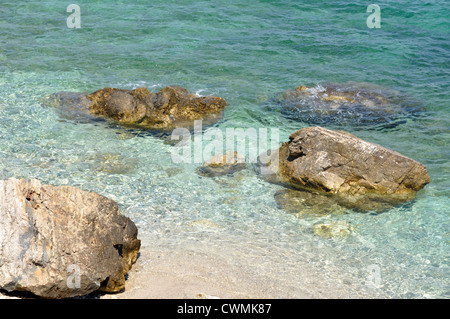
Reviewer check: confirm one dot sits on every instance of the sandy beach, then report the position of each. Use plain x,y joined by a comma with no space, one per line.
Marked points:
185,274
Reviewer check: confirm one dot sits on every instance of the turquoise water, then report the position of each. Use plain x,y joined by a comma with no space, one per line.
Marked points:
245,52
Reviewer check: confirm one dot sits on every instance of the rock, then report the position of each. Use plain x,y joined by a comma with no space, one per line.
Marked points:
226,164
345,103
110,163
171,107
58,242
337,229
307,203
70,105
360,174
304,204
74,100
172,171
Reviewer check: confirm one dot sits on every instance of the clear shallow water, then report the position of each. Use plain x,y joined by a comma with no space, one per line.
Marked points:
246,53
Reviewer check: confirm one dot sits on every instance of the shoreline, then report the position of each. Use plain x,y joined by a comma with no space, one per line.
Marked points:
162,273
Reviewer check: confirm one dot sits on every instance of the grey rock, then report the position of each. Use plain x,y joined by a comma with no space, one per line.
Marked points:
58,242
363,105
359,174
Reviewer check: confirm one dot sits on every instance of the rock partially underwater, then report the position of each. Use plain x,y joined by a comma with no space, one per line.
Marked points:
171,107
357,174
356,104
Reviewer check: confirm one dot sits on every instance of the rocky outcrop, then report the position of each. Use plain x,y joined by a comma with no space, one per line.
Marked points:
58,242
171,107
359,173
226,164
345,103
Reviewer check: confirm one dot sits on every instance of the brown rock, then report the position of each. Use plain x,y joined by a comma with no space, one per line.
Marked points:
338,163
306,204
171,107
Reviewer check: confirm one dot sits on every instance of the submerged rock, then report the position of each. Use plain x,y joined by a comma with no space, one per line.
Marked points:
110,163
59,242
345,103
359,174
204,224
171,107
337,229
304,204
226,164
70,105
172,171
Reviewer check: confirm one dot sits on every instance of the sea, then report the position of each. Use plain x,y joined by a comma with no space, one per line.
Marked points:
246,52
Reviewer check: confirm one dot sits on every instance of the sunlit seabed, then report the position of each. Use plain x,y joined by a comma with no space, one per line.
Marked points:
246,55
409,243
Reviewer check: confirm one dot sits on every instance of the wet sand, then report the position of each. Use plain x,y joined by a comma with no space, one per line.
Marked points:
240,270
176,273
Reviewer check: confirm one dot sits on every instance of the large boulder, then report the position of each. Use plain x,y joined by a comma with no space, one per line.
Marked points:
171,107
360,174
59,242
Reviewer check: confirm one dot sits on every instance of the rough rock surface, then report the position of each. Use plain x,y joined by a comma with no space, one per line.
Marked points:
172,106
338,163
58,242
